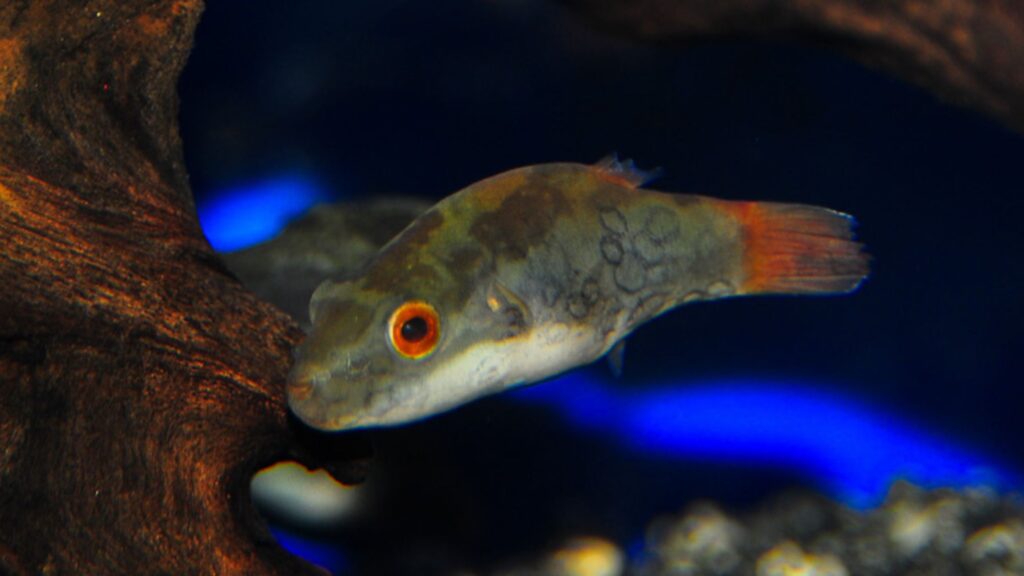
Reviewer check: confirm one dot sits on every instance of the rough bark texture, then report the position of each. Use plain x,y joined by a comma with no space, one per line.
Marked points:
141,385
969,51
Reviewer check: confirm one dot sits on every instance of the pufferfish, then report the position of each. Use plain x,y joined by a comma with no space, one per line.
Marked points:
538,270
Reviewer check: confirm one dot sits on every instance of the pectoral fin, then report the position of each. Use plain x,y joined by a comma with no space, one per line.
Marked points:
508,304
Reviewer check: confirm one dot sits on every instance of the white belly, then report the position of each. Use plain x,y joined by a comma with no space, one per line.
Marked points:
490,367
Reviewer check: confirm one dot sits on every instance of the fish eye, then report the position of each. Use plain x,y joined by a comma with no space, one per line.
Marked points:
414,329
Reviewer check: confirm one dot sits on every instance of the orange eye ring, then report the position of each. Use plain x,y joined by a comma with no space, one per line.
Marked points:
414,329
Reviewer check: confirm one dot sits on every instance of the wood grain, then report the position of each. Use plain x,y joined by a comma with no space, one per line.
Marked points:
141,384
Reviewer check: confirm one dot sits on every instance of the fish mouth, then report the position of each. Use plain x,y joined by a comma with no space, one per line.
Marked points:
304,380
305,391
299,389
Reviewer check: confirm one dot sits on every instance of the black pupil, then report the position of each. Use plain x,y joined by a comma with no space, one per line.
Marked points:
415,329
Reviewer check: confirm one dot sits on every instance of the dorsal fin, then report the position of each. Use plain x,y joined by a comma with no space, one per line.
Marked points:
624,172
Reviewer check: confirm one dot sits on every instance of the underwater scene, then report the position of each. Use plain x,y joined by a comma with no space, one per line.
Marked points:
859,413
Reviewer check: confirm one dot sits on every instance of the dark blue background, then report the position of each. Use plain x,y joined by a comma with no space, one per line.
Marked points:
423,98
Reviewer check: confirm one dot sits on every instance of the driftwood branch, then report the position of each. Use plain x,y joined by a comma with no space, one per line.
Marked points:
969,51
141,384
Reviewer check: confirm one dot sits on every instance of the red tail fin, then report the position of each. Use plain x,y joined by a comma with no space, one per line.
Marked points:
792,248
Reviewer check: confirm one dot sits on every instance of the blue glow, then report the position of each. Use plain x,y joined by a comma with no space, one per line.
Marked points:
245,215
324,554
849,449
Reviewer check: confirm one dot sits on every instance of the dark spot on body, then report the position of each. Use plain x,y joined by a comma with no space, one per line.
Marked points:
523,219
464,257
465,266
339,323
390,273
418,233
661,224
401,262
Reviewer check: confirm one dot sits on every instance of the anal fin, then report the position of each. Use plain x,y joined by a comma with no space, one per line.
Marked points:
616,357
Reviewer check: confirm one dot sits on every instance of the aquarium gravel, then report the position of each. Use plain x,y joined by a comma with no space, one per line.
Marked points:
919,532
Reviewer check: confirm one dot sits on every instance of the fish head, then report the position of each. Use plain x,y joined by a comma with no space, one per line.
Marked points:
378,359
